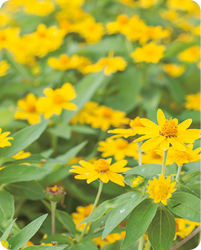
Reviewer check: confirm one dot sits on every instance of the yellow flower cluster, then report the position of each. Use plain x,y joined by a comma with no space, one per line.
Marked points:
193,101
30,107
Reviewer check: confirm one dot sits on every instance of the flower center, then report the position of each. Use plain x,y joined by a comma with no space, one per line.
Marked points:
58,99
31,108
169,129
107,113
121,144
101,165
184,155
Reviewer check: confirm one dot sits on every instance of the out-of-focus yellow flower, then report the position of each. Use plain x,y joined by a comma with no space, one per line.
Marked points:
4,67
40,8
136,181
174,70
27,109
151,156
149,53
8,37
115,27
118,148
184,37
193,101
167,133
86,114
109,239
182,157
4,18
29,243
70,3
105,117
4,139
56,100
196,30
180,4
81,214
170,15
161,189
145,4
127,132
184,227
110,65
36,70
21,155
190,55
101,169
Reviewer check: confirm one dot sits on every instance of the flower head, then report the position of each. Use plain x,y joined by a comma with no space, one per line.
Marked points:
81,214
184,227
174,70
161,189
101,169
4,139
136,181
167,133
193,101
56,100
190,55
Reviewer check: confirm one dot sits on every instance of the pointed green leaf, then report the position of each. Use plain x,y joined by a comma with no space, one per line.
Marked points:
67,221
161,231
7,231
6,209
139,221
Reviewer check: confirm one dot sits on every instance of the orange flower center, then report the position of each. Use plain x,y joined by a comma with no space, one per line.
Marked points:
101,165
107,113
122,144
58,99
169,129
31,108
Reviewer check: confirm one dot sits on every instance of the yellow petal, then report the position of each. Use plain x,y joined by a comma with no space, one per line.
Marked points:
160,117
184,125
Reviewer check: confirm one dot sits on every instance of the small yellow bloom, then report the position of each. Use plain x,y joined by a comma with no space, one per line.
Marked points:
4,66
4,244
119,148
101,169
21,155
136,181
167,133
81,214
190,55
184,227
161,189
174,70
109,239
56,100
8,37
193,101
149,53
27,109
115,27
151,156
40,8
170,15
180,4
4,139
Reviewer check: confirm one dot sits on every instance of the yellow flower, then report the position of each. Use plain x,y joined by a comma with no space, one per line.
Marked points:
8,37
81,214
149,53
4,18
46,244
151,156
127,132
105,117
4,139
174,70
40,8
166,133
193,101
184,227
4,244
136,181
109,239
170,15
145,4
119,148
56,100
21,155
115,27
4,66
161,189
180,4
27,109
101,169
190,55
182,157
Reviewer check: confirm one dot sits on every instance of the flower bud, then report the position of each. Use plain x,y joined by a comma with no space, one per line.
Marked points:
54,194
137,181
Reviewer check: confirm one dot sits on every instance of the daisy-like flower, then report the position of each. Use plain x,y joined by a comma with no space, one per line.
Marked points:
4,245
184,227
193,101
174,70
167,133
101,169
27,109
161,189
56,100
4,139
119,148
127,132
152,156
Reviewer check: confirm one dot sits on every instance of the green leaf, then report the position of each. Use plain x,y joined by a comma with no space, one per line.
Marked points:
84,245
24,138
26,233
6,117
185,205
139,221
62,130
17,173
176,90
6,209
7,231
31,190
161,231
82,129
193,114
43,247
60,239
108,205
67,221
121,212
85,89
191,189
148,171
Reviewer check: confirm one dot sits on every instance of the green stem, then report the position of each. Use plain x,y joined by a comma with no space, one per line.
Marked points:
94,206
139,153
53,207
148,245
164,161
178,172
141,243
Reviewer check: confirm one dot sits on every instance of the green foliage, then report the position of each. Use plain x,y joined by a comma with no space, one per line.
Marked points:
6,209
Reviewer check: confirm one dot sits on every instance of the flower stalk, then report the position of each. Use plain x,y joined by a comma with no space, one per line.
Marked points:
139,153
141,243
164,161
178,172
148,245
53,208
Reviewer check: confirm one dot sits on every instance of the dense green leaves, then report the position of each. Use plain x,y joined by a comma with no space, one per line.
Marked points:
185,205
67,221
139,221
162,229
121,212
7,231
6,209
84,245
24,138
26,233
